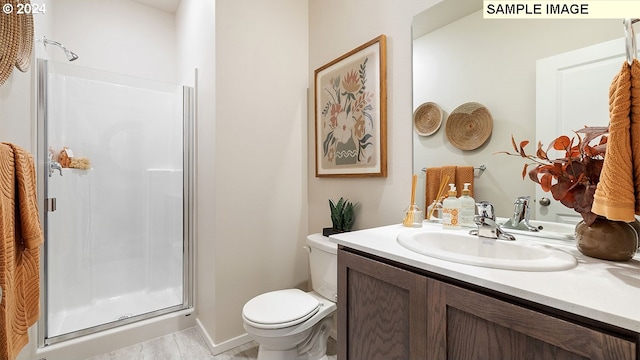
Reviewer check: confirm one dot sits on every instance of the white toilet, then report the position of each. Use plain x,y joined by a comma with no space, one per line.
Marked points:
292,324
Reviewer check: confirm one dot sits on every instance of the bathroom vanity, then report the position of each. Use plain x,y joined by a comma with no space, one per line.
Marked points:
394,303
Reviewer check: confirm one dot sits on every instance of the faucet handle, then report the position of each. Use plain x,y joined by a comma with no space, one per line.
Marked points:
486,210
487,225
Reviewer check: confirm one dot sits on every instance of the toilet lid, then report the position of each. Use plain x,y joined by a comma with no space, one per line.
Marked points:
279,309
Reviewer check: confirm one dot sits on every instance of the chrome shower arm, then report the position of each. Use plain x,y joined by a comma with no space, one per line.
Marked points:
71,56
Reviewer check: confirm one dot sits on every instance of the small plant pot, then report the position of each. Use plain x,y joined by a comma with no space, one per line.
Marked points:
330,231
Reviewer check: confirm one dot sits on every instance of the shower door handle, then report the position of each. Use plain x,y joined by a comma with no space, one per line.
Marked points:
50,205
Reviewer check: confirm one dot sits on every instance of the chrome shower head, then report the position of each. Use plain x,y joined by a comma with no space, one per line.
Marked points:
71,56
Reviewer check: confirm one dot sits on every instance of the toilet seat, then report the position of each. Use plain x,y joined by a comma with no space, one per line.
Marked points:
280,309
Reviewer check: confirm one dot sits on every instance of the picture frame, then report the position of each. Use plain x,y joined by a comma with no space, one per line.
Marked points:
351,113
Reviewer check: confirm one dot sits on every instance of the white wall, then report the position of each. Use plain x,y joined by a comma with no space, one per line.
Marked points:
335,28
120,36
251,129
15,109
17,100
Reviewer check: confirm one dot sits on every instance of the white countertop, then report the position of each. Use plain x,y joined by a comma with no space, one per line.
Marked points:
601,290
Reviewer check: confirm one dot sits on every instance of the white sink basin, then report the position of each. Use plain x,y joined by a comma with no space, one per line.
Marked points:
463,248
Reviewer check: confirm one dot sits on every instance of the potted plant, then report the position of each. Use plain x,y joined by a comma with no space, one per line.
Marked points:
342,216
572,179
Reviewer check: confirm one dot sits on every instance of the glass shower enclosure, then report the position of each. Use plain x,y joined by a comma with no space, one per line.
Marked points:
117,215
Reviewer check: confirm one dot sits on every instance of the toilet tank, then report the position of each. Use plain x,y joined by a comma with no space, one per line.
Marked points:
323,262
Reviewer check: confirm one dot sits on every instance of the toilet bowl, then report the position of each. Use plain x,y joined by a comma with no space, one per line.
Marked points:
291,324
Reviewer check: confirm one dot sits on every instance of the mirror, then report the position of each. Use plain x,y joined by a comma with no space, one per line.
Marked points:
459,57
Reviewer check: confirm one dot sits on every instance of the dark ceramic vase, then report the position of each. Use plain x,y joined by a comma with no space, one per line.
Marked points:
606,239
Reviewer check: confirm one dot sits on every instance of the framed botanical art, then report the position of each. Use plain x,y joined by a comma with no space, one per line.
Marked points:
351,113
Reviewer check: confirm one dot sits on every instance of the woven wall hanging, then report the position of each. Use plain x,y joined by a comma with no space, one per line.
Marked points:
16,39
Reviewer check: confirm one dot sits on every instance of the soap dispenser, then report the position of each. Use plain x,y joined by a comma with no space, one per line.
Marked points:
467,207
451,210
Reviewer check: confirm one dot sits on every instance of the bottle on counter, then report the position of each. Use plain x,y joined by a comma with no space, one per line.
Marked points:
451,210
467,207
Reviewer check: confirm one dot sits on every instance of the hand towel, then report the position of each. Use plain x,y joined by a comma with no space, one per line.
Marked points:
20,240
451,171
432,181
615,193
464,174
458,175
28,229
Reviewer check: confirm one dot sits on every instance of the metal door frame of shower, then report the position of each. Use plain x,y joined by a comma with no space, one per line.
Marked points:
189,119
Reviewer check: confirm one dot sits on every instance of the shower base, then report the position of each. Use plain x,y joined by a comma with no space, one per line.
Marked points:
113,309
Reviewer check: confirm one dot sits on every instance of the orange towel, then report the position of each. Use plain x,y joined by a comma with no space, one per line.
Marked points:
21,237
464,174
458,175
451,171
635,130
615,196
432,181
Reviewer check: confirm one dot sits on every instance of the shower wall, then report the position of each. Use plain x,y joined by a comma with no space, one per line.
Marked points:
116,237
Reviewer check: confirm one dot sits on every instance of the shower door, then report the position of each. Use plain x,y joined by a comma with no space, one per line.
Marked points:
116,214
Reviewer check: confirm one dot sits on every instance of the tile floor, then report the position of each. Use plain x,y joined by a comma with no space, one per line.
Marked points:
188,345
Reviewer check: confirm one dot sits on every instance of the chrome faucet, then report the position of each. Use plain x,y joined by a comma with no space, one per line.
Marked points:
53,165
487,225
520,218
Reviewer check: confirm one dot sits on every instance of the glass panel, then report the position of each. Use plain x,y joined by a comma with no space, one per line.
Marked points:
115,241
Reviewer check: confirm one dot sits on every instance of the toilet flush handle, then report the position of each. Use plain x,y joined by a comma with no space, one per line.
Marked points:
307,248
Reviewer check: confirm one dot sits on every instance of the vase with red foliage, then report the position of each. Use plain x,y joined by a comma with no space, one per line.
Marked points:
572,180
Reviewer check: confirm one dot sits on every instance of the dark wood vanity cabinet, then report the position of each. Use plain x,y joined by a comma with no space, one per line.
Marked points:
381,312
463,324
387,312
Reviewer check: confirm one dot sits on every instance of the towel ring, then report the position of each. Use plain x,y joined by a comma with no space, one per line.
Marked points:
630,39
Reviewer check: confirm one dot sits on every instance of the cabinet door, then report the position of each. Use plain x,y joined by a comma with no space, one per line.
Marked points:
467,325
381,312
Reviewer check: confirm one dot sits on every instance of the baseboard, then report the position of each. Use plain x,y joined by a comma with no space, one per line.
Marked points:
224,346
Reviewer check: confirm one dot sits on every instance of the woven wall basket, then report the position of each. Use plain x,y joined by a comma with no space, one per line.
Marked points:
469,126
16,40
25,44
427,119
